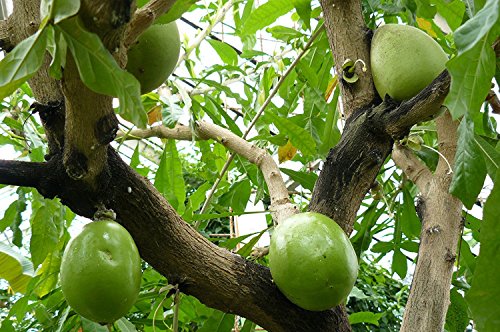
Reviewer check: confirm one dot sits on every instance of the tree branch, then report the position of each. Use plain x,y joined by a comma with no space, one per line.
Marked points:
416,171
280,202
179,132
352,165
21,173
441,228
144,17
350,39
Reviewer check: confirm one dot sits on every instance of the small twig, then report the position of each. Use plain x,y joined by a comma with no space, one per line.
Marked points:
176,310
221,13
450,169
494,102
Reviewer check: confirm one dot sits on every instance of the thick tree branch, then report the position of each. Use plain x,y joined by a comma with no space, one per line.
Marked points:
214,275
90,119
280,202
350,39
21,173
281,206
441,228
144,17
352,166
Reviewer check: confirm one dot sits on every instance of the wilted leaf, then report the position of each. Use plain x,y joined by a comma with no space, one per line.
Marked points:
286,152
154,115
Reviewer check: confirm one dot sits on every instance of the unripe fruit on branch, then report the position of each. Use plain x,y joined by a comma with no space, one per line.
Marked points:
312,261
404,60
101,272
154,56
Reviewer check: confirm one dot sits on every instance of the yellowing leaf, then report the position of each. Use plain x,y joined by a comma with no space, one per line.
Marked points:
154,115
426,26
332,84
286,152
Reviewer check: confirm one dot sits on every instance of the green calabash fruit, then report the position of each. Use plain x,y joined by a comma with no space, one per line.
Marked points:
404,60
154,56
101,272
312,261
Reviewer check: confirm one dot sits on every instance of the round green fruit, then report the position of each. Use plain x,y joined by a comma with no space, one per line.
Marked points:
101,272
312,261
404,61
153,57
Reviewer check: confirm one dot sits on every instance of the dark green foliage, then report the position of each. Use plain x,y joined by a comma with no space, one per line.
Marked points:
381,294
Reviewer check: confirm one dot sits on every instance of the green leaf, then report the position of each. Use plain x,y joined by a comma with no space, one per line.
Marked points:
58,10
383,247
218,322
453,12
479,28
265,15
471,74
169,179
246,250
22,62
331,133
195,200
457,318
485,291
100,72
49,271
249,326
231,243
305,179
90,326
491,156
470,169
14,268
57,47
399,263
299,137
365,317
237,197
225,52
303,8
410,224
44,231
425,9
176,11
124,325
284,33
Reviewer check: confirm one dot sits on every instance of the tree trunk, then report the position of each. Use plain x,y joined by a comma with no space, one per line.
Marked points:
441,228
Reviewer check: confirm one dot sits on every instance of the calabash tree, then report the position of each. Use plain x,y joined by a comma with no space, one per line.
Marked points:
424,159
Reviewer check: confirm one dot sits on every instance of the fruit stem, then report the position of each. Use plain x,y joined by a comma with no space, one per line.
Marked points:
104,214
450,170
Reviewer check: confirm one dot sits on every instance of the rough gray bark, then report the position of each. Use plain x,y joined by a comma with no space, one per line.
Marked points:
441,227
